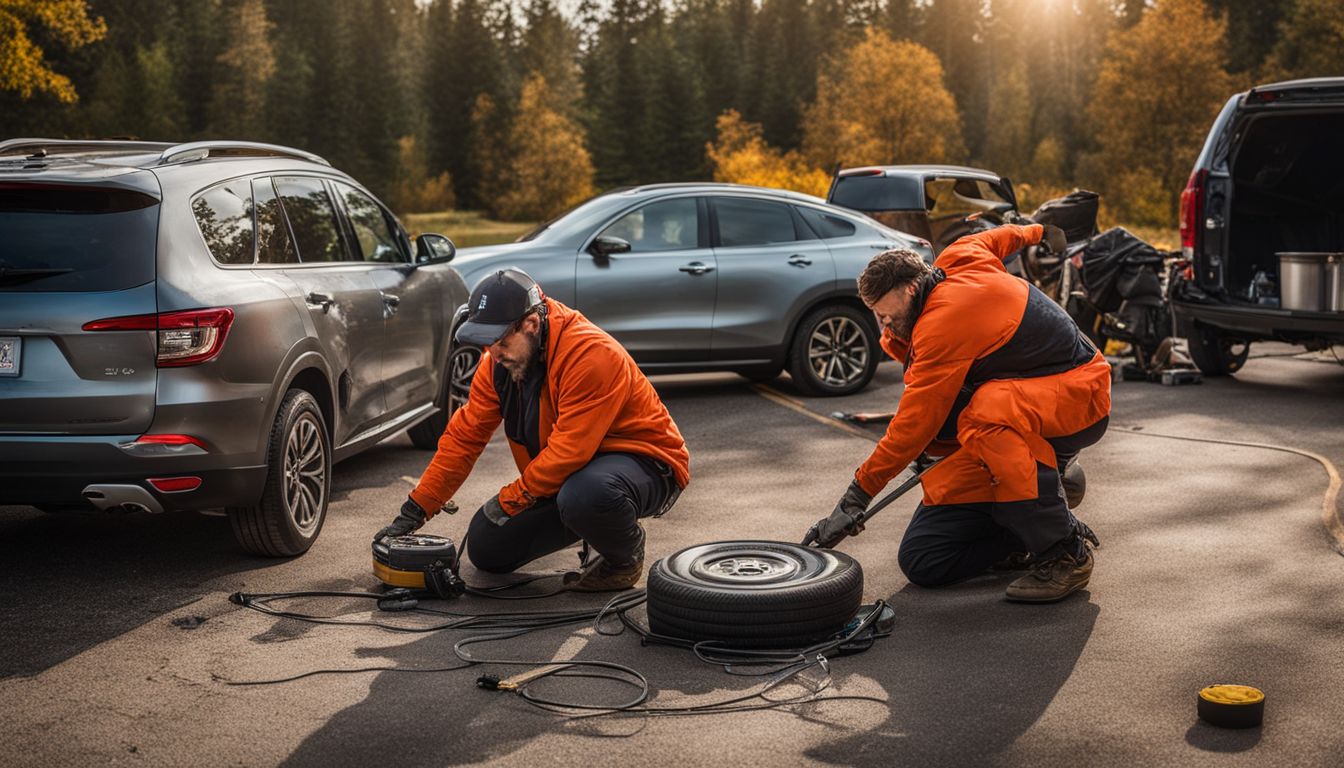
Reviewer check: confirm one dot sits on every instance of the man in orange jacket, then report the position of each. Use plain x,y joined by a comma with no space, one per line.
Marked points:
999,379
595,446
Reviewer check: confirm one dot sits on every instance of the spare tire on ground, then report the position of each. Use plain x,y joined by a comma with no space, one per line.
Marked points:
754,594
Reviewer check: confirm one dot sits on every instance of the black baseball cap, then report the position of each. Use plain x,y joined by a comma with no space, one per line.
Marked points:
497,302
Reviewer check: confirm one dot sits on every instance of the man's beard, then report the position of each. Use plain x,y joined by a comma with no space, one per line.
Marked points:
903,327
518,368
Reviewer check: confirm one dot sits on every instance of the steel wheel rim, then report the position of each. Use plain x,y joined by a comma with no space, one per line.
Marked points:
305,468
744,567
461,369
837,352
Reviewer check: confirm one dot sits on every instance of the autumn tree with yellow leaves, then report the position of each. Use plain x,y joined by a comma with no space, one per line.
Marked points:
882,102
23,66
1159,88
740,155
544,167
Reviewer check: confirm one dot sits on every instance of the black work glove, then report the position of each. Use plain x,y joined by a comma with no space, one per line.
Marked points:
407,521
493,511
1053,238
844,520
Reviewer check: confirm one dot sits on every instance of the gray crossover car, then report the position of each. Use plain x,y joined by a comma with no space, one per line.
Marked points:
208,325
694,277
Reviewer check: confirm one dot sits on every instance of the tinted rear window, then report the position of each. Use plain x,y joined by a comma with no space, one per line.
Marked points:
825,225
312,218
753,222
68,238
878,193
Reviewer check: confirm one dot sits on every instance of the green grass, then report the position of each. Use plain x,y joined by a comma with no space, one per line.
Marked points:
466,228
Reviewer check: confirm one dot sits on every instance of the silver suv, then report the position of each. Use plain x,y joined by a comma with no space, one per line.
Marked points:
713,277
208,325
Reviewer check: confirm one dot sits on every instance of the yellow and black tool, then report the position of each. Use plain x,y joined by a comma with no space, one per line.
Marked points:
1232,706
418,562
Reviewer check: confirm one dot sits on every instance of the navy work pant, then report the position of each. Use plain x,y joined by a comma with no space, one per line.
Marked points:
599,504
947,543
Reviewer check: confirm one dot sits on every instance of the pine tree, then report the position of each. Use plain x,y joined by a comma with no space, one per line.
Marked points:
1311,42
245,67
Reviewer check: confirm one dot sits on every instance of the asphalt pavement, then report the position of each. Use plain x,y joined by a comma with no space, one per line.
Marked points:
1216,567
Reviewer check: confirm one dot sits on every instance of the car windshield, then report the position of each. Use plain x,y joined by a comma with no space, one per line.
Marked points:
596,207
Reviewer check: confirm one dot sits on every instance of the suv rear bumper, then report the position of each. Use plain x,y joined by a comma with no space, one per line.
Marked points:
1262,322
54,471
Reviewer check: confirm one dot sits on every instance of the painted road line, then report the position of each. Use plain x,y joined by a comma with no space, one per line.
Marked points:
775,396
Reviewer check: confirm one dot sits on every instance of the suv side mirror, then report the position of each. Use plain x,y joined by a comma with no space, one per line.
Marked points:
604,246
434,249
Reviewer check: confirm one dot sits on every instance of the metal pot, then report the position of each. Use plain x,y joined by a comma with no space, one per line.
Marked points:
1302,281
1334,283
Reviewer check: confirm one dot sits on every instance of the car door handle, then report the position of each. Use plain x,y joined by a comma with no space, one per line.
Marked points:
799,260
319,300
391,303
696,268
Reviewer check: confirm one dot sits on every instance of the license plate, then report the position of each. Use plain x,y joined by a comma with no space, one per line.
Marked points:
11,347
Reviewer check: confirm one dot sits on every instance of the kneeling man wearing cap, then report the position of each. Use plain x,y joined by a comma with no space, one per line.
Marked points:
595,446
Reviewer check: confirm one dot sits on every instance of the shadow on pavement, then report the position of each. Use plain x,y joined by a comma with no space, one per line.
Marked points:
1210,739
966,673
75,580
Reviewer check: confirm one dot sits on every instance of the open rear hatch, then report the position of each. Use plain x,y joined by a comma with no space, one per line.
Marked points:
1286,160
72,252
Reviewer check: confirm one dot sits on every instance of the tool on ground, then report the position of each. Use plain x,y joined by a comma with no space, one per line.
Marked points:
811,539
1177,376
863,417
1232,706
417,562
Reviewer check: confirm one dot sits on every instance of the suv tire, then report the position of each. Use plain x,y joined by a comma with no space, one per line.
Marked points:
1214,353
834,351
457,375
293,505
754,594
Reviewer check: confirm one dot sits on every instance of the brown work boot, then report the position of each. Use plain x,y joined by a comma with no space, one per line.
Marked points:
1053,579
602,576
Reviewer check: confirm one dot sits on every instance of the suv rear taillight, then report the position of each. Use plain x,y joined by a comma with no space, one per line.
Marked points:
183,338
1192,208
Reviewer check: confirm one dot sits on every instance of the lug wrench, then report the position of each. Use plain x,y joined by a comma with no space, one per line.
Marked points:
811,538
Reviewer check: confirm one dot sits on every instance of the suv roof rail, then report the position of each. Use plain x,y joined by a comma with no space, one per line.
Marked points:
54,146
199,150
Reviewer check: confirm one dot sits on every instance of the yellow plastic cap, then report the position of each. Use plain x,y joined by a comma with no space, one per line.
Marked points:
1232,694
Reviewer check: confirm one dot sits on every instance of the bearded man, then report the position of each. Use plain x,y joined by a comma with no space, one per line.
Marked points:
595,446
1000,380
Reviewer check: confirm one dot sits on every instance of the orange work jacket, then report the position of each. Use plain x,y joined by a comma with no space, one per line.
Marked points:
993,366
594,399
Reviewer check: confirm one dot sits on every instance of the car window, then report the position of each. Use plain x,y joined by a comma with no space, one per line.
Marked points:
274,243
77,238
311,217
753,222
878,193
224,215
825,225
373,235
667,225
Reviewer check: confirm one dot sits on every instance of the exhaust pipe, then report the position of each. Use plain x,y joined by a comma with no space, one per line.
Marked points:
131,498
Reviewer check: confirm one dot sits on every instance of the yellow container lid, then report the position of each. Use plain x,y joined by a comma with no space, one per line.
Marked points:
1232,694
